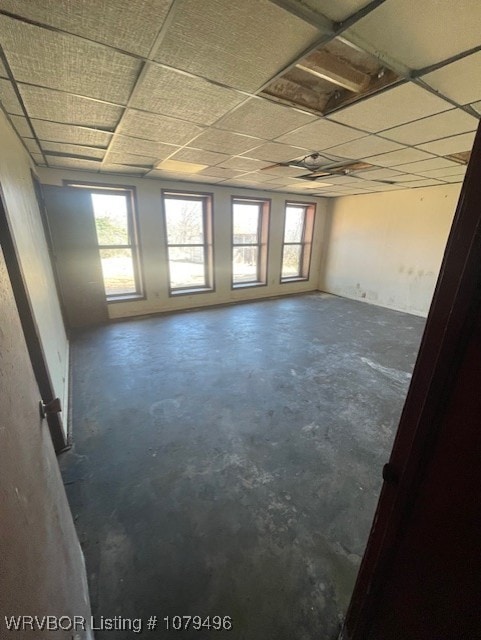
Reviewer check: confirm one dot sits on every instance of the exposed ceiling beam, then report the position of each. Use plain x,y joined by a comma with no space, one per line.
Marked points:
323,64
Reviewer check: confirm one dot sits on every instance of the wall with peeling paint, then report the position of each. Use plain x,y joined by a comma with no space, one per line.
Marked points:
386,248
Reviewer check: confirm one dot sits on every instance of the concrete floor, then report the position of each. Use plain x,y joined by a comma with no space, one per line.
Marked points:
228,461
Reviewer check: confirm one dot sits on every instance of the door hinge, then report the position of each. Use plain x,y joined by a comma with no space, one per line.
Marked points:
49,408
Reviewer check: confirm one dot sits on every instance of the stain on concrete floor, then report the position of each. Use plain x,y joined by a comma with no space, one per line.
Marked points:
228,461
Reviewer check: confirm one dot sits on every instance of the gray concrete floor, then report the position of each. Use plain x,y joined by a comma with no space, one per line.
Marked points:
228,461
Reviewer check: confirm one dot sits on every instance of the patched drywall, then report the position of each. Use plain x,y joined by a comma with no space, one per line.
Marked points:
152,238
387,248
26,225
42,566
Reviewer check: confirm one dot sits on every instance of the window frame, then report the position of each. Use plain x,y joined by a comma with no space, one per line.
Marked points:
262,245
133,231
207,200
305,243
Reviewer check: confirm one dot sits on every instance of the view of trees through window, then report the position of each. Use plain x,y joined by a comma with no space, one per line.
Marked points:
293,241
246,241
188,229
115,243
186,242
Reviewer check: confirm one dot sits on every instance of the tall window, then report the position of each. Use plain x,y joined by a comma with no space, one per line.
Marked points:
250,228
188,225
296,250
116,228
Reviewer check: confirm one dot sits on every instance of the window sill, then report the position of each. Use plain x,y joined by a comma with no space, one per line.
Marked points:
294,279
248,285
125,298
190,292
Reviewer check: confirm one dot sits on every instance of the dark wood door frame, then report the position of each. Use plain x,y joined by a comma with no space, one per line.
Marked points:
30,328
450,322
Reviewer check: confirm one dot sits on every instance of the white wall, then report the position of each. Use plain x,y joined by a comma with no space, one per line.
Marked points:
386,248
27,229
153,243
42,565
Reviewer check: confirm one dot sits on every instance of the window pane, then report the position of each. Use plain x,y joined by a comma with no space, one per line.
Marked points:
291,261
186,265
184,220
294,224
246,223
111,218
118,271
244,268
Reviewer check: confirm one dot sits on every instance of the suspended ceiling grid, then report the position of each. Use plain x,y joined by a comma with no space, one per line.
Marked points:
171,89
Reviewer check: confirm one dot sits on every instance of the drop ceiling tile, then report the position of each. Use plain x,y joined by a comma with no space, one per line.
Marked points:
199,156
173,93
9,99
403,177
363,147
428,182
259,177
394,158
225,142
460,81
159,128
32,145
393,107
241,163
180,167
238,183
349,179
432,128
273,185
379,174
53,132
131,25
58,106
73,149
284,172
137,146
220,172
276,152
74,163
21,125
123,169
283,181
320,135
59,61
240,44
310,186
336,11
460,170
453,144
264,119
426,165
121,157
38,159
376,187
419,34
476,106
183,177
453,179
205,179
